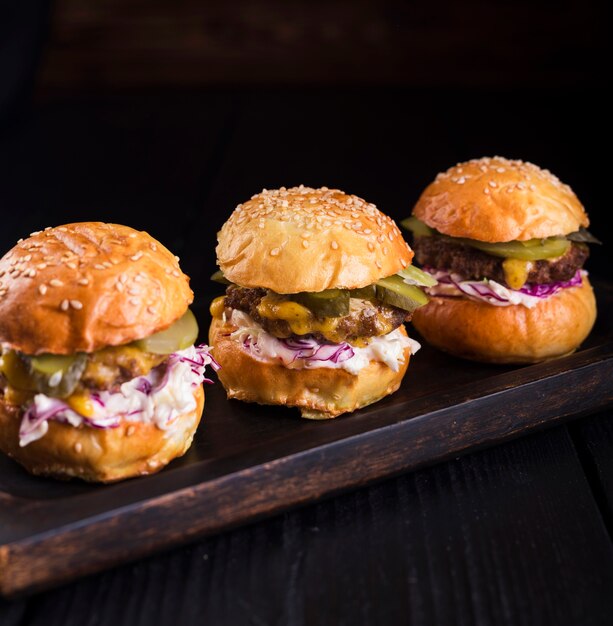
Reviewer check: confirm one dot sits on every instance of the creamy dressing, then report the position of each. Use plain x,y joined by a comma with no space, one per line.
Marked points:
388,349
165,399
486,290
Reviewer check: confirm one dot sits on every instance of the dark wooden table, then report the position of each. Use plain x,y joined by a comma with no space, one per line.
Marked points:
518,533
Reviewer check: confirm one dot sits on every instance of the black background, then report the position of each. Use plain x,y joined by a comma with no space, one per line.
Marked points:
518,534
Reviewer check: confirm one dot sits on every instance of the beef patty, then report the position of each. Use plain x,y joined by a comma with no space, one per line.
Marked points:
365,319
470,263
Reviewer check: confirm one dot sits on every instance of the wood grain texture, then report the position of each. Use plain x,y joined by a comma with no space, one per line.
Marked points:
217,487
506,536
130,43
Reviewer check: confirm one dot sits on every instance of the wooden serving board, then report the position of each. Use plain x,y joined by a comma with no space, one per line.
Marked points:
251,461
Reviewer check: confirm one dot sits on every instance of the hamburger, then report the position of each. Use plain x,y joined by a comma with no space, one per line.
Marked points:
319,284
506,242
99,375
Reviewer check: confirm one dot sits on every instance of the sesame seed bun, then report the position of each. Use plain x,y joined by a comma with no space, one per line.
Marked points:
497,199
556,326
99,455
83,286
304,239
319,393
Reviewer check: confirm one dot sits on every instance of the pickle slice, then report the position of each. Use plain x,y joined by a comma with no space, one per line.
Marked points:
417,227
182,334
51,374
530,250
328,303
395,292
49,364
414,276
218,277
364,293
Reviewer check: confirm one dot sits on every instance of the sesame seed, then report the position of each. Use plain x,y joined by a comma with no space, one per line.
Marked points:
133,301
41,266
150,310
486,191
371,246
119,286
78,447
64,305
305,243
42,289
130,431
107,264
137,256
30,273
378,264
76,304
27,257
176,273
153,246
133,291
132,235
177,259
123,278
56,282
83,281
334,245
461,180
493,183
99,266
275,252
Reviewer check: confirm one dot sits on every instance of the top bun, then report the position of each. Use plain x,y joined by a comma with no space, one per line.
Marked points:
495,199
303,239
84,286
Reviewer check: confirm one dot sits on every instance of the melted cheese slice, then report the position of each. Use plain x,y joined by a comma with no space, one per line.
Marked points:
300,319
516,272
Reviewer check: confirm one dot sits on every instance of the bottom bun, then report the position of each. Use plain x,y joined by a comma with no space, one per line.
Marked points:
99,455
319,393
474,330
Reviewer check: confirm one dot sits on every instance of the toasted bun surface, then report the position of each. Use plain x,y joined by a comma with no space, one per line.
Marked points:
303,239
84,286
319,393
511,334
496,199
95,455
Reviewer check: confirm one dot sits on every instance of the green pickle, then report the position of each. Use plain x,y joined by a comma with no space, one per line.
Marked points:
410,272
52,374
328,303
530,250
395,292
417,227
364,293
182,334
218,277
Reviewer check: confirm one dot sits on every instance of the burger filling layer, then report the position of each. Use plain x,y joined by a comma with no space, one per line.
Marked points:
309,352
470,263
150,380
283,317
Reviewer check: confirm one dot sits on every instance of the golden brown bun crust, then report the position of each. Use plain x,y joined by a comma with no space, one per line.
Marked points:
496,199
95,455
319,393
84,286
303,239
512,334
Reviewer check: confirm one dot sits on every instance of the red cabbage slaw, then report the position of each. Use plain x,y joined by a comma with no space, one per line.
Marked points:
132,401
306,349
492,292
309,353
